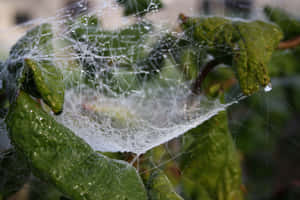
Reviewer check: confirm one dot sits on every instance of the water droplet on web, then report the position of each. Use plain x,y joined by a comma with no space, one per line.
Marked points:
268,88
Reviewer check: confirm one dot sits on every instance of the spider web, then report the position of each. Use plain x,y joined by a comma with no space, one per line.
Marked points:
116,111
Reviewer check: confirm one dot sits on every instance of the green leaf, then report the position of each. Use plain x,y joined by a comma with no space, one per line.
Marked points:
247,46
121,47
61,158
85,25
48,81
112,55
154,61
153,160
160,188
169,48
32,68
290,25
190,62
37,42
139,7
211,165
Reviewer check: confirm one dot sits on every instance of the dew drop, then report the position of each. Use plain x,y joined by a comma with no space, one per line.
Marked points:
268,88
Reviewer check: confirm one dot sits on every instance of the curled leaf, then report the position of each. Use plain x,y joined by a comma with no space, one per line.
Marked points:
247,46
48,82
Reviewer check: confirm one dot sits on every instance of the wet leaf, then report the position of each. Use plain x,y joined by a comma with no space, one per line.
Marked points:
48,81
32,68
65,160
247,46
211,164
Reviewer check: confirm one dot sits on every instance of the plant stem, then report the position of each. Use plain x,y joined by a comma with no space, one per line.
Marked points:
196,87
289,43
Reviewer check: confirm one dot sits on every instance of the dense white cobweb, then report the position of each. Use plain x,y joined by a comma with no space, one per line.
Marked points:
112,117
135,123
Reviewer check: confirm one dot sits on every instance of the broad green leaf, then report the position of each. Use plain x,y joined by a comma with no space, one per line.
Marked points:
247,46
139,7
119,48
37,42
58,156
111,56
211,164
84,26
257,43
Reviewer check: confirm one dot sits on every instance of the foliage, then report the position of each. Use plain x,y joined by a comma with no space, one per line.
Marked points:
212,161
44,141
290,25
139,7
247,46
265,126
160,188
64,165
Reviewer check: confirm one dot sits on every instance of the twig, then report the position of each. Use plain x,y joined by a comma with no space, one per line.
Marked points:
289,43
196,87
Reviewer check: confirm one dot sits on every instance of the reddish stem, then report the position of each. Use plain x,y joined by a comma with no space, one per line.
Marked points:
196,87
289,43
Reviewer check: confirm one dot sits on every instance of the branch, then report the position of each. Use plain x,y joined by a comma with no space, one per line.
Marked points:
196,87
289,43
